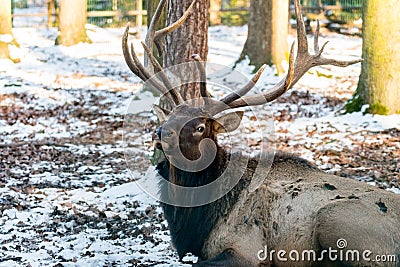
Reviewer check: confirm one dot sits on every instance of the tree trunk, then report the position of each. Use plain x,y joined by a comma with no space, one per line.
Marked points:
6,36
72,23
379,81
280,26
215,8
267,33
51,10
139,18
190,38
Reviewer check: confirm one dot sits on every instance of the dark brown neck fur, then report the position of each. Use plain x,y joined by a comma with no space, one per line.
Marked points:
190,227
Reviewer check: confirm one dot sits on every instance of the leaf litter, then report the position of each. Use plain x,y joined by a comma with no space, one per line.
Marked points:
66,195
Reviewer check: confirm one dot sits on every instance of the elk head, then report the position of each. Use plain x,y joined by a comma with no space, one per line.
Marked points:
192,126
193,130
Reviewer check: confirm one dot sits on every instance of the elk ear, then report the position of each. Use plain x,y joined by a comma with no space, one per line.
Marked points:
161,113
228,122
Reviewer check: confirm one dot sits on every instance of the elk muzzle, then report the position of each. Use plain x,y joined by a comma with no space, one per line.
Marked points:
166,138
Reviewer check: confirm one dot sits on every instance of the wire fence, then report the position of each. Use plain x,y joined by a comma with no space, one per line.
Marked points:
234,12
338,11
347,11
103,13
115,13
29,13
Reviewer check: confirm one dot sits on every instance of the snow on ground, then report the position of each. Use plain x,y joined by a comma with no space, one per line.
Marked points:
66,196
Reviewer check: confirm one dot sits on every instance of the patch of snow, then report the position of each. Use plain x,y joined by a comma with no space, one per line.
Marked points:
394,190
48,219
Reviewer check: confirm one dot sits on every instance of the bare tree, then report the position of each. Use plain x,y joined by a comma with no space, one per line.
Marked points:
267,35
215,16
380,74
52,6
191,38
73,18
6,36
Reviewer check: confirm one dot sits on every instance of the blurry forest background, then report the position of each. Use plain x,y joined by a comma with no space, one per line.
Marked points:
339,14
66,194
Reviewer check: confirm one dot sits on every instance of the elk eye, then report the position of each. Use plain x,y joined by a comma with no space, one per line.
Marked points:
200,129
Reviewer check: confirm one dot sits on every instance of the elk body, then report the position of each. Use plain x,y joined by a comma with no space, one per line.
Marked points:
297,207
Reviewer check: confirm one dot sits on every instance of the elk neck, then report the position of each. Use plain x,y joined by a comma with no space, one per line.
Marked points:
191,226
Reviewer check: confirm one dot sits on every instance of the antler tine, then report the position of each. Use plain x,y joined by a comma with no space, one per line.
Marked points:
236,95
275,92
304,62
149,40
137,68
203,77
128,57
316,36
176,96
154,37
284,85
302,43
160,34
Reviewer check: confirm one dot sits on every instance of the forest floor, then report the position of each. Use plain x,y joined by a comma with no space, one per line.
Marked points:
67,197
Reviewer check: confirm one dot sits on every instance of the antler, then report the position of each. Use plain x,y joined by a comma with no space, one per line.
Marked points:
236,95
160,34
154,37
203,82
304,61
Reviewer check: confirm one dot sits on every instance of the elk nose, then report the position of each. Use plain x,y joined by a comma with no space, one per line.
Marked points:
164,133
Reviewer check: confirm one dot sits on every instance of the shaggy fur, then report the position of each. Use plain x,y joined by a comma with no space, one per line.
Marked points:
297,207
190,227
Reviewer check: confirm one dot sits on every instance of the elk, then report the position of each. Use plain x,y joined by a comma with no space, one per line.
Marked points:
297,206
